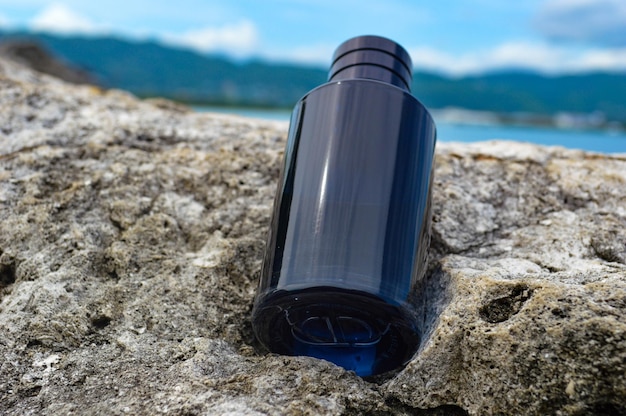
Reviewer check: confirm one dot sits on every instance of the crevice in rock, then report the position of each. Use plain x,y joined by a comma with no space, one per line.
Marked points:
434,296
605,409
551,269
8,274
248,338
483,245
572,202
399,408
117,224
30,391
438,248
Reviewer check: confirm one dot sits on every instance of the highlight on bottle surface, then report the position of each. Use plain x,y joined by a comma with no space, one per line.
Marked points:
348,241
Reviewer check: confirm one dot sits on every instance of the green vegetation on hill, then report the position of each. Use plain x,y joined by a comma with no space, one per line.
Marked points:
528,92
150,69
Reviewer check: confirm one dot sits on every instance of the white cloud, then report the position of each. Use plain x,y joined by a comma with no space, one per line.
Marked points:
542,57
311,54
535,56
58,18
601,22
238,39
603,59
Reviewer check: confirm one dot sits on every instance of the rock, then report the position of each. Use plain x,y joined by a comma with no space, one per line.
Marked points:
131,238
530,282
35,56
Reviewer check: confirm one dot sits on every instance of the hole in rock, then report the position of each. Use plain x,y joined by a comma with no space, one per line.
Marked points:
33,343
31,391
501,309
7,274
101,321
606,408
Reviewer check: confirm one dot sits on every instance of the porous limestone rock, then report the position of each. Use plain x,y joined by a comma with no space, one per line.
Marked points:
131,238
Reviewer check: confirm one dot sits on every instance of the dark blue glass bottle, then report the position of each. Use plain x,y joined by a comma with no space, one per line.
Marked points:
351,224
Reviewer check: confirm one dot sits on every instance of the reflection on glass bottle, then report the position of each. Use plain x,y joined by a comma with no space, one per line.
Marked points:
351,224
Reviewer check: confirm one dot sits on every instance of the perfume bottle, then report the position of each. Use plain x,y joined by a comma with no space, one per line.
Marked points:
350,230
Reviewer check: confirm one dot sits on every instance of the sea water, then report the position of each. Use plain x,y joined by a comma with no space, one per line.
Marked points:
603,141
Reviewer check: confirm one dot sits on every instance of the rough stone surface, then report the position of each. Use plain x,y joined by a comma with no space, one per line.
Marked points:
131,237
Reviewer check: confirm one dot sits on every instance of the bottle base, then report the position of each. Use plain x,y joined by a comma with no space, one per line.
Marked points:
355,330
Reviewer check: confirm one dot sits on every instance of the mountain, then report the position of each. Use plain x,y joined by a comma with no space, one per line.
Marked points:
516,91
150,69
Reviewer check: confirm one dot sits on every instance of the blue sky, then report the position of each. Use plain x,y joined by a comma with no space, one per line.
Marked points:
454,36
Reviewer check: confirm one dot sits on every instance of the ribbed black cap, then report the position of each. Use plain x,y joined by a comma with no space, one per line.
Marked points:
372,57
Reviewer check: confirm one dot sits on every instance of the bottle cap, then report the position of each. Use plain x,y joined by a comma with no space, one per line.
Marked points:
372,57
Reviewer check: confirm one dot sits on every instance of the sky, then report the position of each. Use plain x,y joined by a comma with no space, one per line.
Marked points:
457,37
